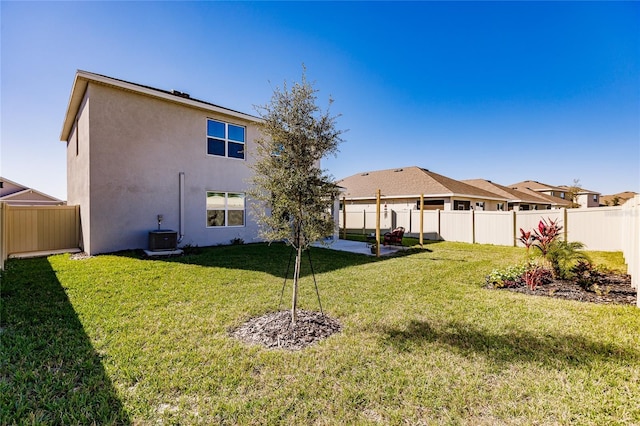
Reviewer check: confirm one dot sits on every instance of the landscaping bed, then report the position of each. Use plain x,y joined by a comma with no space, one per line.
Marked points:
613,288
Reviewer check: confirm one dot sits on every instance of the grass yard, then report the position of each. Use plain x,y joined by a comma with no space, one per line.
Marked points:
118,339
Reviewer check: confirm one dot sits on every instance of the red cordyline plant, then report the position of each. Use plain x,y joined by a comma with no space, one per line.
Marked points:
527,239
546,234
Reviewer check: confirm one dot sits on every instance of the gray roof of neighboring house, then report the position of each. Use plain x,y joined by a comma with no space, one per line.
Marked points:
622,197
536,186
82,79
555,201
409,182
580,190
20,194
513,195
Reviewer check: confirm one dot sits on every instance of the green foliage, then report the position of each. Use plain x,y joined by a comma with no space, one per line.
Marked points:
511,276
297,194
563,255
530,274
587,276
294,195
191,249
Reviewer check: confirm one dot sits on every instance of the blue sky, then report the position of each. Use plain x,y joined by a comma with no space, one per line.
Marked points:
502,91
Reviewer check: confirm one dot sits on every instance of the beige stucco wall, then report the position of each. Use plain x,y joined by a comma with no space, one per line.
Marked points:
137,146
586,200
78,179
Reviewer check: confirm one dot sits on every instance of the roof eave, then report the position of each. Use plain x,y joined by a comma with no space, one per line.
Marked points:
82,79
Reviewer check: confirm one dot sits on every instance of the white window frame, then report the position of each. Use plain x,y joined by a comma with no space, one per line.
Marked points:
226,139
227,209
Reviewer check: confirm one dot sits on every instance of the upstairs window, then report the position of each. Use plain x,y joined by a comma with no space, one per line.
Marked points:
225,139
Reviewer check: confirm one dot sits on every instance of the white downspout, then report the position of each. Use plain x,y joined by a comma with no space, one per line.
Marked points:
181,202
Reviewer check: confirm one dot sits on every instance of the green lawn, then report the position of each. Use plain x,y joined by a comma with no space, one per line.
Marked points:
124,340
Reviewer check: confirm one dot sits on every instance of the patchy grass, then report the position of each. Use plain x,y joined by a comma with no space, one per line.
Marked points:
119,339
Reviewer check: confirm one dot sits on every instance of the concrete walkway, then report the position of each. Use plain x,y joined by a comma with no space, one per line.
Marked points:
357,247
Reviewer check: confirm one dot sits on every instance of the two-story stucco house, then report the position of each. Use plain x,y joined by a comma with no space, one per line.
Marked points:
136,153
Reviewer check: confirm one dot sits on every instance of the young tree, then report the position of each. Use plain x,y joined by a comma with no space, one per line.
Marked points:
295,194
573,193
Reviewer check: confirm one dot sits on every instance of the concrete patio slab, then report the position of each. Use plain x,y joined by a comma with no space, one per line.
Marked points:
357,247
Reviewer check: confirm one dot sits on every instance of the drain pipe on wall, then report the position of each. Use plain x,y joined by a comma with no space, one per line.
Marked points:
181,202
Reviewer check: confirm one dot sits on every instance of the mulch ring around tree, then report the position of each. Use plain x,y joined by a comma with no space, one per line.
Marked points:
612,289
274,330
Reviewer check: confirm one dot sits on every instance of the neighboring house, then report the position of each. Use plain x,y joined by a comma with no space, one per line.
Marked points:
517,200
401,190
617,199
554,191
555,195
584,197
19,195
140,159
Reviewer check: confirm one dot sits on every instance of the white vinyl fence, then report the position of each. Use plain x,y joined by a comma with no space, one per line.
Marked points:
599,228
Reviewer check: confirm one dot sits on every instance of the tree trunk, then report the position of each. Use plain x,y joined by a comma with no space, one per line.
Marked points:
296,277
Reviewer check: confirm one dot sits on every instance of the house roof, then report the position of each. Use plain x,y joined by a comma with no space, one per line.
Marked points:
83,78
21,194
580,190
536,186
409,182
554,201
513,195
622,197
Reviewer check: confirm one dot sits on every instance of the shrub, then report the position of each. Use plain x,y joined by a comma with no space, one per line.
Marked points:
586,276
563,256
536,275
546,235
508,277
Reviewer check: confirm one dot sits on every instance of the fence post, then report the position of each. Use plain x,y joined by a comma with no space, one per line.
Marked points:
378,223
565,215
421,219
3,236
364,222
344,218
514,217
473,226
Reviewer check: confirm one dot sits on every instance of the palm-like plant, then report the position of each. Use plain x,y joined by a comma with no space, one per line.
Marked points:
563,255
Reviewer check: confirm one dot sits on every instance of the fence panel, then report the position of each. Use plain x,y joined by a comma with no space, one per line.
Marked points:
529,220
41,228
22,229
631,240
431,224
364,221
404,218
456,226
494,228
597,228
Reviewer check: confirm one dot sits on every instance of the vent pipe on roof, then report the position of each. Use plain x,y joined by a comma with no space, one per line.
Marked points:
181,94
398,170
